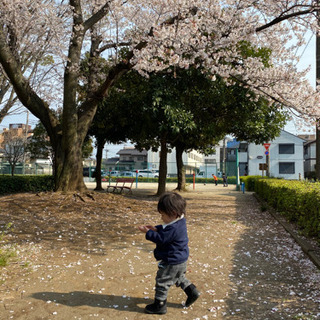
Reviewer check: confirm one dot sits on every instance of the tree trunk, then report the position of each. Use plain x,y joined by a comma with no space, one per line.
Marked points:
162,168
100,146
180,169
69,168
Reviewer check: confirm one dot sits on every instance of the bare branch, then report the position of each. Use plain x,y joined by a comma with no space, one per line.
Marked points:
285,17
113,45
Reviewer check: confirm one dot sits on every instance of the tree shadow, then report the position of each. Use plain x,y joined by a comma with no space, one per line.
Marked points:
82,298
269,278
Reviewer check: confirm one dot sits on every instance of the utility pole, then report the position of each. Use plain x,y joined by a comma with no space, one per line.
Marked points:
224,156
318,80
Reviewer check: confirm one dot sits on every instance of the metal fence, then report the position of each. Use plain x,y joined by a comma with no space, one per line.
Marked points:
201,171
191,167
20,168
204,170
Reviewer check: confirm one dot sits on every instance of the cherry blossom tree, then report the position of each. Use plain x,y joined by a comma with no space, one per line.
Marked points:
156,34
32,54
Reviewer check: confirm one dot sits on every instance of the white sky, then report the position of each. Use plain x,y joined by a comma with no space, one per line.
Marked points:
308,59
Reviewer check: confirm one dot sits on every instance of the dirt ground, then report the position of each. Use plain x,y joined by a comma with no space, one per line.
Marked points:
82,257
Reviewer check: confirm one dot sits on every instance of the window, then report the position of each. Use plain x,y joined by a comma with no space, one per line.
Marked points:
210,160
286,148
286,167
243,147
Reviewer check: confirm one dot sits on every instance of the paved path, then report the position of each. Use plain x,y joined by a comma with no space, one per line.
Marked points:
243,260
245,264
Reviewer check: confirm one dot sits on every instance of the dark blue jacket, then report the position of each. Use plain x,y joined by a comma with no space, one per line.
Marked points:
171,242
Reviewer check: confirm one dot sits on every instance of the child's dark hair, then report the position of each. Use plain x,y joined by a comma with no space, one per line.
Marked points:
172,204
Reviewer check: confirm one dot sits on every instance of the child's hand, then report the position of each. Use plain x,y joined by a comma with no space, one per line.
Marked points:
152,228
145,229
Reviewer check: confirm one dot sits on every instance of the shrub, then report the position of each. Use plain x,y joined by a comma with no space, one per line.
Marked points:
231,180
249,181
22,183
299,201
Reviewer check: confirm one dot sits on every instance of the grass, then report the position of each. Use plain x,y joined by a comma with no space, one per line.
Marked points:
6,251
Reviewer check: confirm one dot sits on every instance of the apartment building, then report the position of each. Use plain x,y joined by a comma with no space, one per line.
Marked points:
284,155
20,130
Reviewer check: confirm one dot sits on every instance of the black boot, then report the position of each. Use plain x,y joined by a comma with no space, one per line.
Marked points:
192,293
158,307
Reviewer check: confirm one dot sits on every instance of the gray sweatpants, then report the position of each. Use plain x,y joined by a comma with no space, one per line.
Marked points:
169,275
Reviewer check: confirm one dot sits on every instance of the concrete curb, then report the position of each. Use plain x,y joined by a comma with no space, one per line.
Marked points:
306,245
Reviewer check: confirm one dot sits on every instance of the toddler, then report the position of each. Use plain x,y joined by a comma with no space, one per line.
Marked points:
171,250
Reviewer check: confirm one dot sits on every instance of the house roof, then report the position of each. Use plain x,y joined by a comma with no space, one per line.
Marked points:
113,159
310,142
308,137
132,152
298,137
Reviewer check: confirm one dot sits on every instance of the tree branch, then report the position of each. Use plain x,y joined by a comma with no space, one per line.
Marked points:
21,86
8,105
97,16
113,45
89,106
77,11
283,18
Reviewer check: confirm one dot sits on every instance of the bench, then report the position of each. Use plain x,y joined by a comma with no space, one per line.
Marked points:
121,184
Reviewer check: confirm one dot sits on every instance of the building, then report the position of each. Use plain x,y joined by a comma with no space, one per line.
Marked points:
219,157
307,137
228,157
15,130
12,145
191,160
310,159
285,155
131,159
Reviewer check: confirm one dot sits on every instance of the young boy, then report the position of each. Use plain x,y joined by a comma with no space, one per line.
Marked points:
215,178
171,250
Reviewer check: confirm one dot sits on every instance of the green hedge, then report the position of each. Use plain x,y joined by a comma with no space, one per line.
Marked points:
299,201
23,183
250,181
231,180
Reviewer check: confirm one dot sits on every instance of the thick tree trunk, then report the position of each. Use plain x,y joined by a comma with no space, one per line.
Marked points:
69,168
162,168
100,146
180,169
